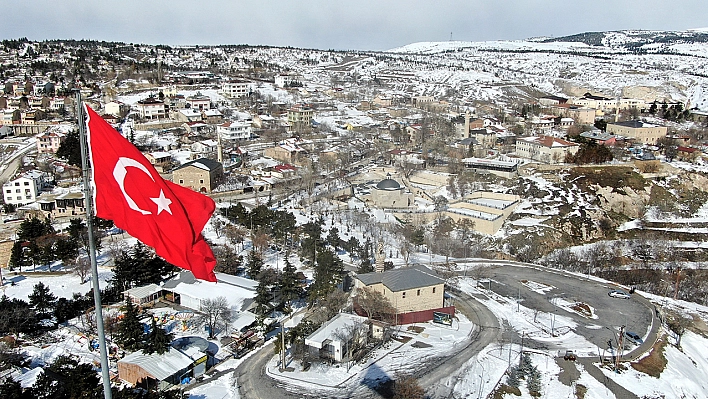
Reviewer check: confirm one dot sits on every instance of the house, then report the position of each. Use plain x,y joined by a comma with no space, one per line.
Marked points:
159,159
202,175
186,358
235,131
552,100
143,295
642,132
600,137
205,148
62,205
333,339
186,291
236,88
198,102
213,116
415,292
288,151
188,115
287,79
151,108
506,169
688,154
23,189
116,108
50,141
300,116
545,148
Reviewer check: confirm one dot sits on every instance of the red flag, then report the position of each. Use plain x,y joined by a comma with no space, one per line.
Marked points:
161,214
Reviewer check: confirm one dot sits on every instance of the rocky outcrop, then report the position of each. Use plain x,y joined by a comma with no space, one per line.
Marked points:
625,201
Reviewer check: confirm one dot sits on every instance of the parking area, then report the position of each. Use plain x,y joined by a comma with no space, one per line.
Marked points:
544,289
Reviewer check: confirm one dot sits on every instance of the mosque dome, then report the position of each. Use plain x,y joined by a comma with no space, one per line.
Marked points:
388,184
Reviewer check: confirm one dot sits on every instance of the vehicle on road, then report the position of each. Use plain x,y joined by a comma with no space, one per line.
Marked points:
570,355
619,294
633,337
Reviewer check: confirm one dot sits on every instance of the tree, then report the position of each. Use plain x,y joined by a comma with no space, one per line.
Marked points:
289,283
66,378
263,297
533,382
70,149
407,387
375,304
41,299
255,264
601,124
11,389
333,238
33,228
215,313
157,340
130,332
328,273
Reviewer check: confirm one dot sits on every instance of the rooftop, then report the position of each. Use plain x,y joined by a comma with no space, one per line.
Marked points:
403,278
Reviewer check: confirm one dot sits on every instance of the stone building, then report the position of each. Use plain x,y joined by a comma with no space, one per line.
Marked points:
388,193
202,175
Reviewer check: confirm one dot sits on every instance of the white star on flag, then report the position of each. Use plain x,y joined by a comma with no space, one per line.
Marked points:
163,203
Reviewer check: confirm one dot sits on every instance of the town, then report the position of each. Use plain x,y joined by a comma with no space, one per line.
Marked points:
450,219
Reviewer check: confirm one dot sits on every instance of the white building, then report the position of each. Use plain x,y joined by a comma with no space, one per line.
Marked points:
24,189
327,340
236,88
237,130
151,108
286,79
191,293
545,148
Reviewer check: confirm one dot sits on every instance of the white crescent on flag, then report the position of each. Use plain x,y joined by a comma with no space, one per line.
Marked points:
119,173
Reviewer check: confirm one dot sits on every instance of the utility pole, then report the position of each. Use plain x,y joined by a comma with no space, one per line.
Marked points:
521,352
620,343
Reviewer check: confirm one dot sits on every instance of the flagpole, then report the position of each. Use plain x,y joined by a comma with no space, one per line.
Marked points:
92,248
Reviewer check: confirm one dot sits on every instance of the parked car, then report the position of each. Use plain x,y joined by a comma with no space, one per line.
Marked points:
619,294
633,337
570,355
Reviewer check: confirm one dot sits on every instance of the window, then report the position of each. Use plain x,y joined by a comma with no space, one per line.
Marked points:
17,183
201,181
418,292
26,183
181,181
404,294
433,290
8,191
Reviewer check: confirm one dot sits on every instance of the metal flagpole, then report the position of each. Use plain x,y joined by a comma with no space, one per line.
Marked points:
92,248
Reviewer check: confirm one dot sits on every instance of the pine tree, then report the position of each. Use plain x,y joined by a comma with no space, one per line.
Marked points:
130,334
512,378
41,299
70,149
255,264
328,273
533,382
262,298
158,340
289,284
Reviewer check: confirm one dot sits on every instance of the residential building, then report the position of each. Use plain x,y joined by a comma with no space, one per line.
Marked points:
23,189
151,108
287,79
159,159
642,132
300,117
205,148
202,175
552,100
116,108
198,102
50,141
62,205
506,169
235,131
330,340
414,292
600,137
289,151
236,88
545,148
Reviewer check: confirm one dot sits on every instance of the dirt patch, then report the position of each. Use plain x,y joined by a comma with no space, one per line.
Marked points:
416,329
401,339
699,326
580,391
503,389
418,344
582,308
656,362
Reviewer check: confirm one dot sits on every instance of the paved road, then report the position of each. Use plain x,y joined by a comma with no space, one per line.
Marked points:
506,280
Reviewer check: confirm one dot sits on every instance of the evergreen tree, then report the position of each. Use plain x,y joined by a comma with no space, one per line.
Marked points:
18,256
158,340
333,238
533,382
262,298
255,264
65,378
41,299
70,149
289,285
33,228
328,273
512,379
130,333
11,389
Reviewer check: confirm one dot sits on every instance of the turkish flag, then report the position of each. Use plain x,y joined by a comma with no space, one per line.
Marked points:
161,214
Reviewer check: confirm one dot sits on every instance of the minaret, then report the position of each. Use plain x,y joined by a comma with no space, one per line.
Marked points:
380,257
219,148
467,123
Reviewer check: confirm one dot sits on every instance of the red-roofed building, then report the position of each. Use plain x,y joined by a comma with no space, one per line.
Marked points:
688,154
546,149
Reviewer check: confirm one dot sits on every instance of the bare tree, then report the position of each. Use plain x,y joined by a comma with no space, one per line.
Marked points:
82,268
375,304
407,387
215,313
354,337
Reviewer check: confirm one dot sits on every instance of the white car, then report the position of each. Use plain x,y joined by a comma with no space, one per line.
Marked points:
619,294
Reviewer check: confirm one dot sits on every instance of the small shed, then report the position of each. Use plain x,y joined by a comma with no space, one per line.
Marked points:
142,295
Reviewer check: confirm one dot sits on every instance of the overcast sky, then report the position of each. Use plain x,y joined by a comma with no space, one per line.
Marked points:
334,24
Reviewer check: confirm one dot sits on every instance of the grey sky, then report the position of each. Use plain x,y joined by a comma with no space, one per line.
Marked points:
333,24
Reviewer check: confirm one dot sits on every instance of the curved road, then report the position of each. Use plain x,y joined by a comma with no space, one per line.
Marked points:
638,312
